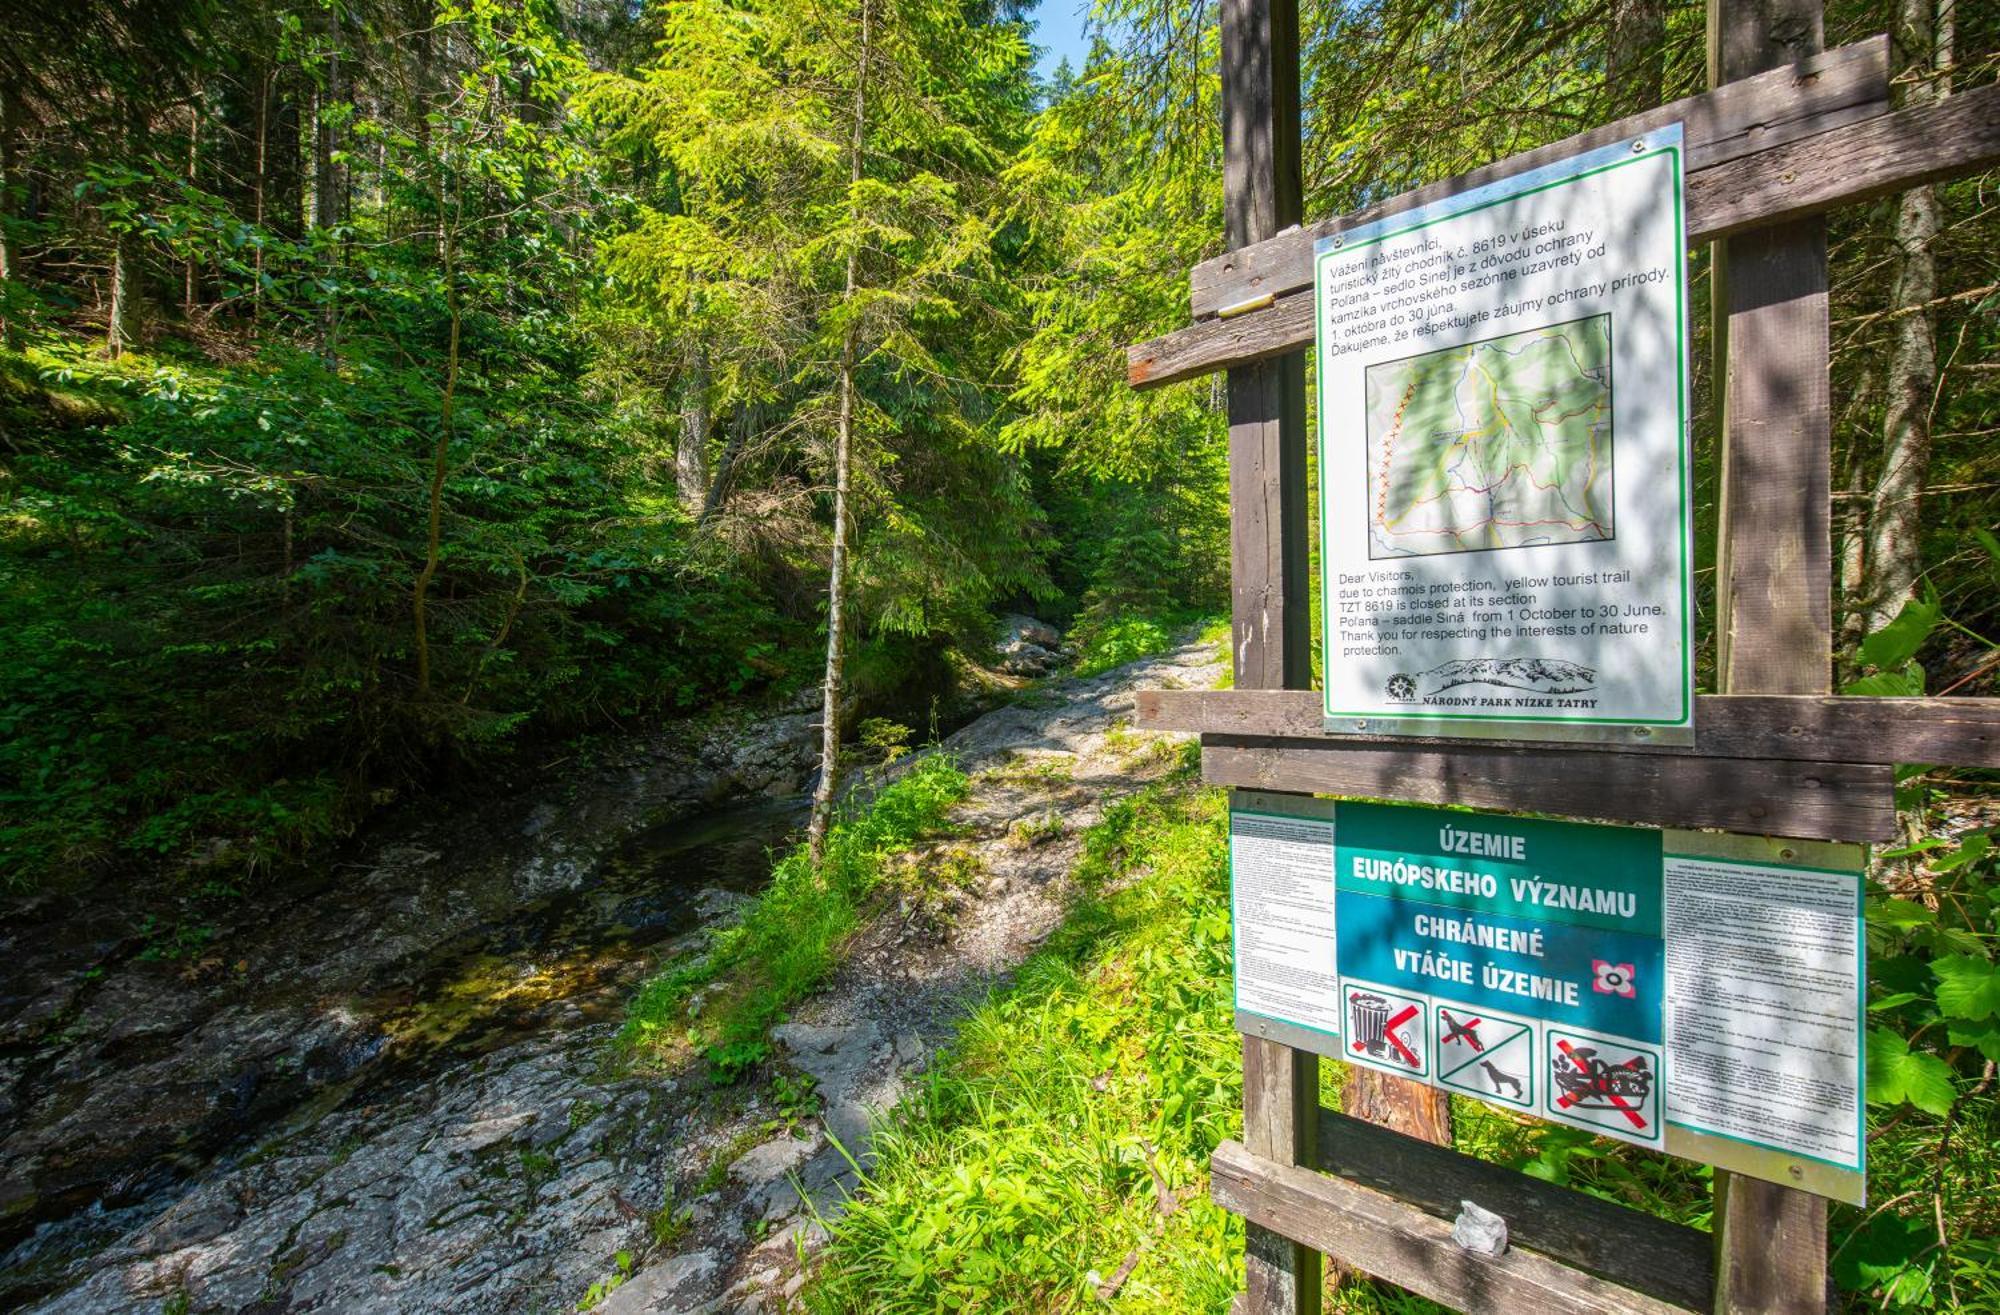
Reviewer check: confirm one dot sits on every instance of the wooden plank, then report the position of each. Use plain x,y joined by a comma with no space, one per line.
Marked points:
1629,1247
1280,1096
1952,732
1860,162
1841,86
1807,801
1384,1237
1845,166
1269,578
1774,576
1210,345
1263,193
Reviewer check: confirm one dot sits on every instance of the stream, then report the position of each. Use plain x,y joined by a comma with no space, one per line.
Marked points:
370,1017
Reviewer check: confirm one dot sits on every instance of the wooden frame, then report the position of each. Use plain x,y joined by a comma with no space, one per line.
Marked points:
1786,132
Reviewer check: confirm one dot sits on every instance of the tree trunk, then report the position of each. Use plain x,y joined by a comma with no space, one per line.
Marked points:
1400,1104
285,175
836,587
326,173
8,261
1635,55
1895,547
326,210
440,455
263,149
725,465
115,329
188,278
691,455
1853,523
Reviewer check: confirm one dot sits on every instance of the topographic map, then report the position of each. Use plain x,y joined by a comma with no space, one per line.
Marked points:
1504,443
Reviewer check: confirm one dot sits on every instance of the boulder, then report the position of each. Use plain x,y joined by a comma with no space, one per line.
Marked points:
1027,647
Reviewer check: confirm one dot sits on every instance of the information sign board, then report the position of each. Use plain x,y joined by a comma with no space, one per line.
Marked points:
1503,458
1687,992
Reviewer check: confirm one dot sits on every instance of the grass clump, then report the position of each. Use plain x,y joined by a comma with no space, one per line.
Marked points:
1072,1124
791,936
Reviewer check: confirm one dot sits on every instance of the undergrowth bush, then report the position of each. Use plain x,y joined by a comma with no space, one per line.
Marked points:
791,936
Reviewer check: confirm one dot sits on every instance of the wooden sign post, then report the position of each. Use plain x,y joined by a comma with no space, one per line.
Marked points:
1785,133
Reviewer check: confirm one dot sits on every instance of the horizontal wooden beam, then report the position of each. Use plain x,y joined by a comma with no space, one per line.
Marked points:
1380,1235
1738,119
1628,1247
1847,165
1876,157
1756,796
1795,727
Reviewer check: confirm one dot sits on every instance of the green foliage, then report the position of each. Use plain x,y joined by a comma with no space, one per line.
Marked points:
622,1270
884,740
1891,652
207,569
792,936
1117,641
1896,1075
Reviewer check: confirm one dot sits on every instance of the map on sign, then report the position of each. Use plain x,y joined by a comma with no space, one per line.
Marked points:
1504,443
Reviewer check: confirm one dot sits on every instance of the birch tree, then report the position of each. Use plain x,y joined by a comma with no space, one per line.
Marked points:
1924,33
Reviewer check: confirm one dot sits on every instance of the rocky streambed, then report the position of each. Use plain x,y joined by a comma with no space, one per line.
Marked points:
391,1089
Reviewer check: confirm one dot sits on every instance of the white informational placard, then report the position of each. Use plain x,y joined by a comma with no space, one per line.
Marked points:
1281,905
1766,1005
1503,458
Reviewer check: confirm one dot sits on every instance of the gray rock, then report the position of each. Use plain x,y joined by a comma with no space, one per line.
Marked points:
772,1159
668,1286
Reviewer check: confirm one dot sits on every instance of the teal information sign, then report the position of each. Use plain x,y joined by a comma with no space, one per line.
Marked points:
1697,994
1463,940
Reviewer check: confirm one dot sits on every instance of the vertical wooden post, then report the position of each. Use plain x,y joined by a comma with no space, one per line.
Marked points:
1269,572
1774,582
1268,561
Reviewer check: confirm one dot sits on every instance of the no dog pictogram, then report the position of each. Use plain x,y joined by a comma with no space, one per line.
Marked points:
1487,1056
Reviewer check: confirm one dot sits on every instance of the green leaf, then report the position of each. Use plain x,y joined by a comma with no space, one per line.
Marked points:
1892,1001
1903,684
1991,545
1898,642
1983,1036
1886,1256
1896,1074
1971,851
1968,986
1899,913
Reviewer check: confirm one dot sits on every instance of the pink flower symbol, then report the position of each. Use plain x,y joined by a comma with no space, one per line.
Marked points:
1613,978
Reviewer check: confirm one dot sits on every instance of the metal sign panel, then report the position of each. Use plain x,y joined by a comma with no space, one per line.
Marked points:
1690,993
1505,514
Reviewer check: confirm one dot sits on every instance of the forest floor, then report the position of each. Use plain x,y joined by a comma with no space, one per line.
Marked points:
450,1126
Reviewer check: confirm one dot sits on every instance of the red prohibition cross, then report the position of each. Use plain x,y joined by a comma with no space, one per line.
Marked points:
1389,1035
1463,1031
1565,1102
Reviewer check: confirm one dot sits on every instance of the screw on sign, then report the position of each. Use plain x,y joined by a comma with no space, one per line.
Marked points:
1375,1029
1589,1083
